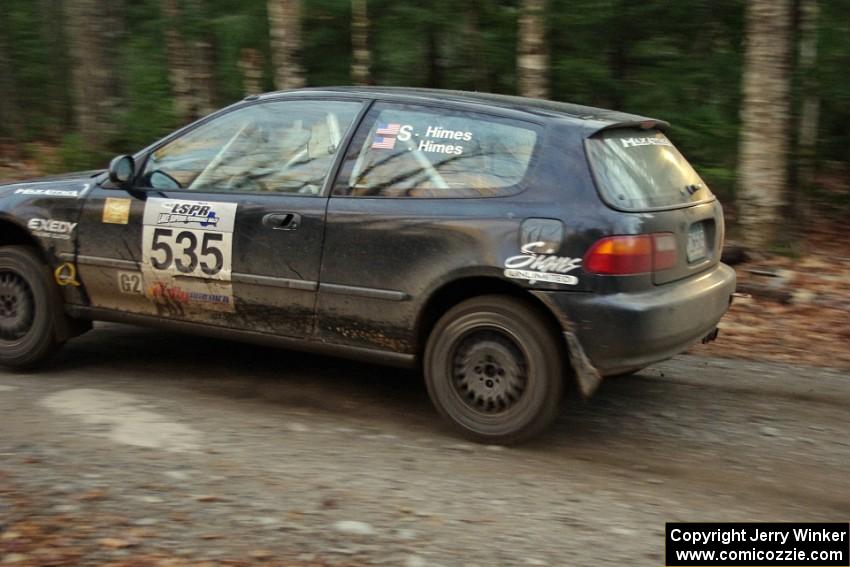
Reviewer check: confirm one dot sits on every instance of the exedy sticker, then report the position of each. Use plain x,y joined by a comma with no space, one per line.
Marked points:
49,228
534,266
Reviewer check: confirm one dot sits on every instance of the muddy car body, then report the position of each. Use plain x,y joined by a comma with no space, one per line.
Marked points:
501,243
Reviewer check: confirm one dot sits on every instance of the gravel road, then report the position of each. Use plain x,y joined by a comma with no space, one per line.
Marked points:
136,446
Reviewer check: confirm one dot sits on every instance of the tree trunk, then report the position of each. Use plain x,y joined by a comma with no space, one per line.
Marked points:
620,29
434,75
807,135
8,96
473,47
361,61
532,56
53,37
203,77
765,111
95,28
189,66
179,70
285,34
203,52
251,67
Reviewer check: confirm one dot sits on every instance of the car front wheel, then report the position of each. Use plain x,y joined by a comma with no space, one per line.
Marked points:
494,369
28,304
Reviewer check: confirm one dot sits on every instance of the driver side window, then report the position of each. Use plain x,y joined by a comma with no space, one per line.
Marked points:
283,147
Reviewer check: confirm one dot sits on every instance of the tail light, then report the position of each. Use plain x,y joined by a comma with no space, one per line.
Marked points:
639,254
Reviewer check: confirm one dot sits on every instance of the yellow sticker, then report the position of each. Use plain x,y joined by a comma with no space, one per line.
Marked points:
66,274
116,211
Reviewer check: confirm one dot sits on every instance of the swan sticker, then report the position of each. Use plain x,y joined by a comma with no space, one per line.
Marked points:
534,266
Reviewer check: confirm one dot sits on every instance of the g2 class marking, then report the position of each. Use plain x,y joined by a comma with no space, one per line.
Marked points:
534,266
130,283
50,228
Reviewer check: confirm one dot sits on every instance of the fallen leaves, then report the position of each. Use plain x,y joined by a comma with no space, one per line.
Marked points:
93,495
802,318
209,498
32,535
115,543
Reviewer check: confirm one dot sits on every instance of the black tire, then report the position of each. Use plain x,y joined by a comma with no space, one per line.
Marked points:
29,304
494,369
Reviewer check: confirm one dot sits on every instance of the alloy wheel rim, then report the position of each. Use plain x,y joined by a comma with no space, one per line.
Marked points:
17,306
489,371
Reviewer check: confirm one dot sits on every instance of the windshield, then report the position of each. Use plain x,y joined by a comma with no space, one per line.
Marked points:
641,169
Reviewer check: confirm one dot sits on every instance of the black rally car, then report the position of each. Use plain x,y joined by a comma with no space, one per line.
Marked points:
506,244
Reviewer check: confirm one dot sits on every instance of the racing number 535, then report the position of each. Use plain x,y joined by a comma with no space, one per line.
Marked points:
187,251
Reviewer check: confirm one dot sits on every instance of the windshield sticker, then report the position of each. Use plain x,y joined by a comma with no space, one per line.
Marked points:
187,255
388,133
49,228
116,211
385,136
434,148
443,134
47,192
534,266
635,142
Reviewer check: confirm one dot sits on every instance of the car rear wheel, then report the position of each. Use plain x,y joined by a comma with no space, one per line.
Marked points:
28,304
494,369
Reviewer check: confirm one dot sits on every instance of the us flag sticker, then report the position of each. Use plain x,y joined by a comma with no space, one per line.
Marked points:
385,136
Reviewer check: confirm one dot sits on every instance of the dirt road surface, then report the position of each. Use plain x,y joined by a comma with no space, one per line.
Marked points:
137,445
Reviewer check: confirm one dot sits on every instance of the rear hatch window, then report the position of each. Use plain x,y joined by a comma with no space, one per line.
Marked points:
640,170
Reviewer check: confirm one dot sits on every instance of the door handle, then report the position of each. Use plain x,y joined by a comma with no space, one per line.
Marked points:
282,221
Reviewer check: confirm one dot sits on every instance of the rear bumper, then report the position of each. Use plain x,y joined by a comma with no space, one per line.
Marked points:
627,331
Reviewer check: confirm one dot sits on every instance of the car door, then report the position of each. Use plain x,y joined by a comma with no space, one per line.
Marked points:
418,202
224,223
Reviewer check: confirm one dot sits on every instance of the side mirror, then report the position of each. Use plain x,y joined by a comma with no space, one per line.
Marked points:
122,170
161,180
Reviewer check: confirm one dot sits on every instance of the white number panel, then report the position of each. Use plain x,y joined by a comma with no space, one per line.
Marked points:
187,254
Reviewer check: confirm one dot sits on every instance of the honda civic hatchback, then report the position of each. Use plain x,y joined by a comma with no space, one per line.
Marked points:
508,247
